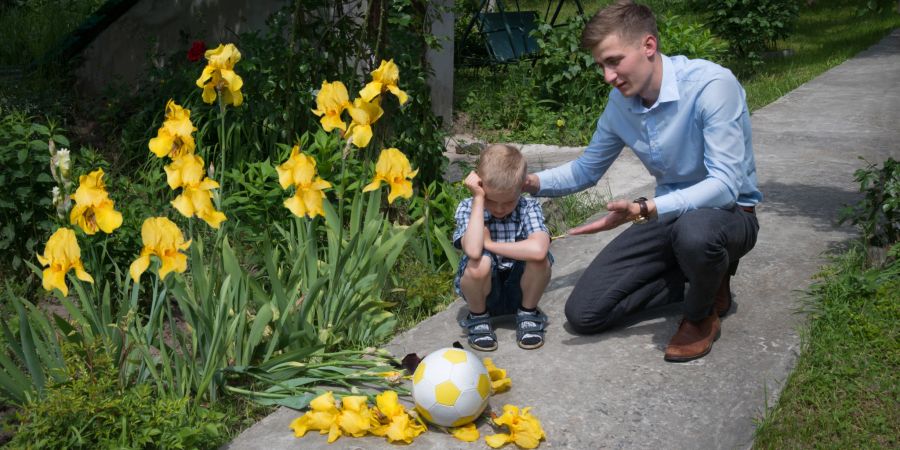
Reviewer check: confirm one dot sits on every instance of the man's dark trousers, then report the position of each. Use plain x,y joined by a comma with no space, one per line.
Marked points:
648,264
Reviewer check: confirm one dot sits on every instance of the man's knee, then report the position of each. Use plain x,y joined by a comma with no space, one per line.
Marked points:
696,242
585,317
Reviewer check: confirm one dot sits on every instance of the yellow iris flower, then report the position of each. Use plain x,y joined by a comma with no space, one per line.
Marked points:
174,138
384,78
300,171
393,168
393,421
364,114
499,381
186,172
61,255
322,415
93,208
355,418
466,433
331,102
524,429
163,239
219,76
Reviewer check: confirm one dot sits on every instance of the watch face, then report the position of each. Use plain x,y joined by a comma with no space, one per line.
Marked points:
640,220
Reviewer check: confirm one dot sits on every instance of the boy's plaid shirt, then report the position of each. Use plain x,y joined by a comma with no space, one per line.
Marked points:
527,218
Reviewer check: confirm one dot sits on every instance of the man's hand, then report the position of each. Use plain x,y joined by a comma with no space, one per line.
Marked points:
532,184
473,182
620,211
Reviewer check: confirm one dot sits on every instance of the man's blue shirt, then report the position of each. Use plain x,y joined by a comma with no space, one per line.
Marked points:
695,140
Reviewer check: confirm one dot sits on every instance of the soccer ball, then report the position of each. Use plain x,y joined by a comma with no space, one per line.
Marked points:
451,387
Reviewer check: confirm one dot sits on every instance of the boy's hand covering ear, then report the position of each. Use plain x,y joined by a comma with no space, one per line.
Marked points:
473,183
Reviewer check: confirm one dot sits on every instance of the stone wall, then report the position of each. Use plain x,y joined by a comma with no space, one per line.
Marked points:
122,53
159,27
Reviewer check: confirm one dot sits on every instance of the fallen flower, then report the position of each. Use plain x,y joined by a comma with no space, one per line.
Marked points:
322,416
499,381
524,429
392,420
466,433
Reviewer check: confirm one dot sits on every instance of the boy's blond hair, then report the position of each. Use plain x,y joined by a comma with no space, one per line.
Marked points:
502,168
629,20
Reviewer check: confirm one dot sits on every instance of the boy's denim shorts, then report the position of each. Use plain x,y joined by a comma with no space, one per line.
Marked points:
506,288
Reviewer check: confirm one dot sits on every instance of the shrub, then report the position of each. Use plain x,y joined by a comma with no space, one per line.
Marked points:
751,26
878,214
91,410
26,183
693,40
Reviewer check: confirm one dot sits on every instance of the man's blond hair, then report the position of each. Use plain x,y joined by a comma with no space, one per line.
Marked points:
502,168
626,18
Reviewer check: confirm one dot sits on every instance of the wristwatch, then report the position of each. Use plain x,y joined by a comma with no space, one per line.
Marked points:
644,216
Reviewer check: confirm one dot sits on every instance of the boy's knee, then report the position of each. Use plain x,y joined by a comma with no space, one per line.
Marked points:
537,267
478,269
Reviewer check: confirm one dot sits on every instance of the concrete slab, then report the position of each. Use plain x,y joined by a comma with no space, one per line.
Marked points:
614,390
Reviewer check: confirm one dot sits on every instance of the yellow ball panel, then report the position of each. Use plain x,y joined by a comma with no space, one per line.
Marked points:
455,356
420,372
446,393
424,413
484,385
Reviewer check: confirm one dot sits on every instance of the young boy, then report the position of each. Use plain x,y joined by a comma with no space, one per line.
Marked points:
506,261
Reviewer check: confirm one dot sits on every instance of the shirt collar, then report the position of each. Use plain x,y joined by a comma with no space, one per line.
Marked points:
668,89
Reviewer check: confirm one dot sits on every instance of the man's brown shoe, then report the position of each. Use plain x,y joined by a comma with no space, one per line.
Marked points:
693,339
722,300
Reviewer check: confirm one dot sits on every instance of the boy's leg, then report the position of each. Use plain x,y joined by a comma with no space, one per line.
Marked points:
637,270
530,321
535,279
475,285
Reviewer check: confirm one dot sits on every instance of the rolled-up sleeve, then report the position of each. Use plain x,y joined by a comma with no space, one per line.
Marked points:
721,108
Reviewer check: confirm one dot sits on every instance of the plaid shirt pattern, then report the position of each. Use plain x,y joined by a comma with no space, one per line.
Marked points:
527,218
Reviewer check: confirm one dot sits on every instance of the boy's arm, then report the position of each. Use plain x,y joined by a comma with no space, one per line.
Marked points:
474,237
533,248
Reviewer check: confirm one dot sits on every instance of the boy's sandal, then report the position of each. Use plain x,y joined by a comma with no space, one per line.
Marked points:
481,333
530,329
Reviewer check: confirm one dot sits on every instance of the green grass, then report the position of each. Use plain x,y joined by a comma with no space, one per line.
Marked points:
493,104
828,33
844,391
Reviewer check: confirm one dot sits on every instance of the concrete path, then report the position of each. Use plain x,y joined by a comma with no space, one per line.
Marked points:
614,390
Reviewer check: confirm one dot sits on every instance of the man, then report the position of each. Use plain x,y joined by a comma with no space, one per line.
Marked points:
688,122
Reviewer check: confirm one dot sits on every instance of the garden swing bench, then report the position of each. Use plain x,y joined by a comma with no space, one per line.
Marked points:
507,34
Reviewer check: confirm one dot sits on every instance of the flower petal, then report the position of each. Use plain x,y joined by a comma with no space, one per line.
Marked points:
466,433
138,267
497,440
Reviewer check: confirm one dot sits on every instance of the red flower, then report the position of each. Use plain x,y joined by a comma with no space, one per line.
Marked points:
198,48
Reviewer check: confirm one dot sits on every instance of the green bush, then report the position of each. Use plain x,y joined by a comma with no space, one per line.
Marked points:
878,214
751,26
565,72
92,410
26,206
693,40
